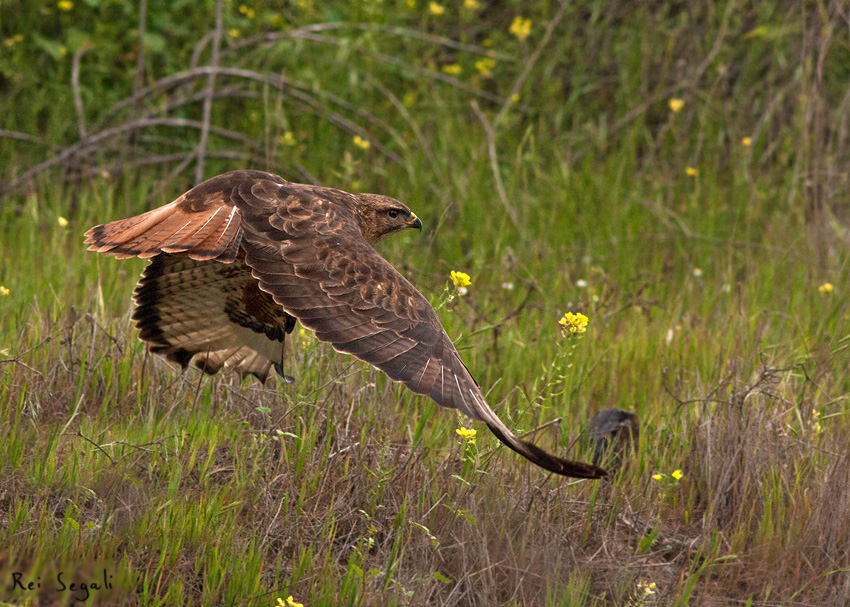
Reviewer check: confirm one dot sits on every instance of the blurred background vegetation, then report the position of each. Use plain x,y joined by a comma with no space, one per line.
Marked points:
677,171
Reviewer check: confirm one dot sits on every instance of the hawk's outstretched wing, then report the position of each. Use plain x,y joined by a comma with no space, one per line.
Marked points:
305,248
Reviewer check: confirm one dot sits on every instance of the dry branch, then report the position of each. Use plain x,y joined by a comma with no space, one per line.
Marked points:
208,94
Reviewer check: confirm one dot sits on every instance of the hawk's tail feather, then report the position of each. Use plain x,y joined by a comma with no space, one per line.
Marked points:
543,459
210,234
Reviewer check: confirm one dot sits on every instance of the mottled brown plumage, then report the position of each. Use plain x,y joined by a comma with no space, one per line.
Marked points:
239,257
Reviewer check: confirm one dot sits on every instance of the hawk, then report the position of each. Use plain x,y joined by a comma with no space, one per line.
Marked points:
241,257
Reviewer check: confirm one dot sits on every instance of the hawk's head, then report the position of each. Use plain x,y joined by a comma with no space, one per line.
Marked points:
380,216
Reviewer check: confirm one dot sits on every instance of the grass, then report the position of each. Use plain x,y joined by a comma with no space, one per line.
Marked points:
345,489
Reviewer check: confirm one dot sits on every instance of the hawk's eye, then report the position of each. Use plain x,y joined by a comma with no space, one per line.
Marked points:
393,213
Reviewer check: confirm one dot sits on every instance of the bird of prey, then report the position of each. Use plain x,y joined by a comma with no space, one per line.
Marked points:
236,260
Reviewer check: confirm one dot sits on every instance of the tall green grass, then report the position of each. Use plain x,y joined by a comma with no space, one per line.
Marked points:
702,290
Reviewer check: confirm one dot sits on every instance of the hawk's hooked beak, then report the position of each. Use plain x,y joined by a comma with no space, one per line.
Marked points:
414,222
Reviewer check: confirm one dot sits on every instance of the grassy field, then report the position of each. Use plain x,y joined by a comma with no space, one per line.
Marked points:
675,171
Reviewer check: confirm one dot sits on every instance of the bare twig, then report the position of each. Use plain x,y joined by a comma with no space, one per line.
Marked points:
372,27
140,58
208,96
494,165
92,141
297,90
75,88
509,101
79,434
26,137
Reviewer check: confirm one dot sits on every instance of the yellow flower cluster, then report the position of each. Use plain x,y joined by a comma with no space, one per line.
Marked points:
290,602
676,105
3,290
436,9
461,279
817,428
691,171
288,139
574,323
521,28
12,41
65,5
363,144
248,12
467,434
63,223
747,142
646,588
453,69
485,66
676,474
471,5
826,287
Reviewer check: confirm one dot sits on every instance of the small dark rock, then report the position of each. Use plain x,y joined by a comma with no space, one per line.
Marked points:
613,432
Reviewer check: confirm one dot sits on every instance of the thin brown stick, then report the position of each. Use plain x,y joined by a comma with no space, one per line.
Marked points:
494,166
372,27
75,88
140,58
550,28
290,87
208,96
27,137
90,142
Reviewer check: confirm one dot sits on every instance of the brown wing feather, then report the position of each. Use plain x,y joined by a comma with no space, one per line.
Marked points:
317,265
188,306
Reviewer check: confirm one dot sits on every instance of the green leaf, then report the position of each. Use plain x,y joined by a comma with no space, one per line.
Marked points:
442,578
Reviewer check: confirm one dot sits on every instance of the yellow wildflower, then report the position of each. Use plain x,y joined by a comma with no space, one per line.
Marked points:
436,9
65,5
677,474
521,28
485,66
515,97
817,428
248,12
363,144
471,5
826,287
461,279
290,602
676,105
3,291
574,323
411,3
453,69
657,477
13,40
646,587
747,142
288,139
697,272
691,171
234,33
63,223
467,434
